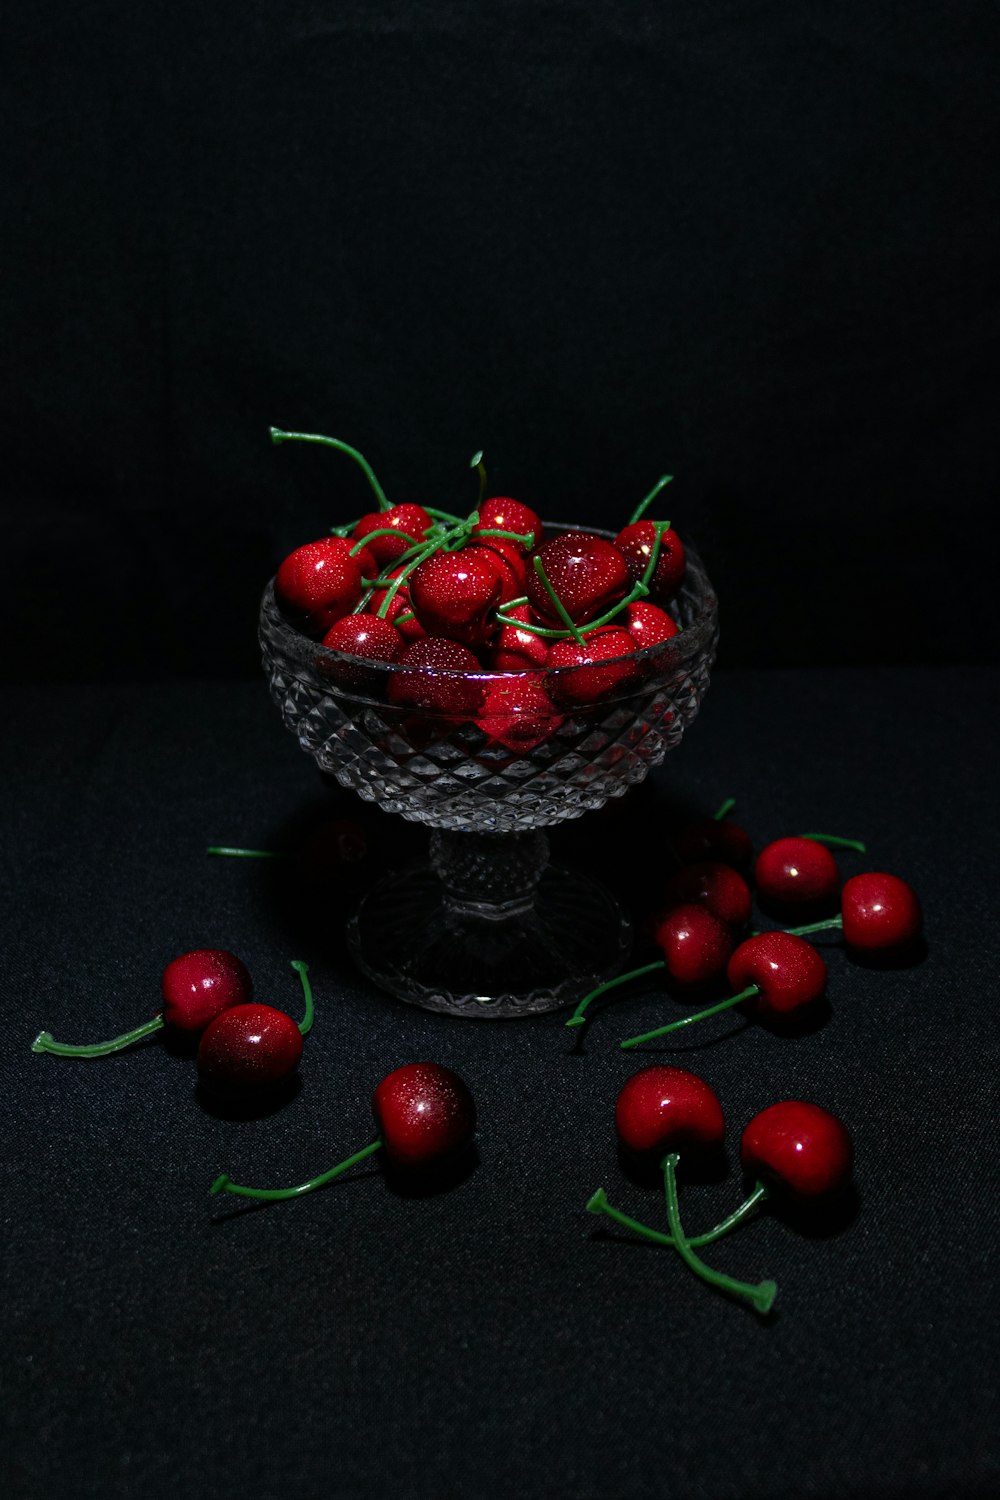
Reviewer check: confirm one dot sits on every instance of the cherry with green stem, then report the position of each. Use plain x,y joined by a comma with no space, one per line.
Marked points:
423,1113
760,1295
878,912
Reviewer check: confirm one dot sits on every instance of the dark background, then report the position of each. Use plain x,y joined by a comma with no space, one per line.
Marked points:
751,245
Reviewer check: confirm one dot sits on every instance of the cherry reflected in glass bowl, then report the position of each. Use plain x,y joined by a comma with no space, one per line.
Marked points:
488,760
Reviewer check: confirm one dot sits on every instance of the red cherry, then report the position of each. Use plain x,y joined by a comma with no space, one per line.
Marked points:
799,1147
796,872
410,519
712,838
508,561
598,673
365,636
515,650
647,625
423,1111
717,887
248,1047
879,911
399,604
519,714
454,594
636,543
318,583
587,573
453,694
199,985
500,513
663,1109
788,972
695,944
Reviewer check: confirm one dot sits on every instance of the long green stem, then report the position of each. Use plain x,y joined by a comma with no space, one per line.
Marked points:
825,926
443,515
302,970
659,527
577,1018
560,608
222,1183
383,531
724,810
760,1295
599,1205
224,849
278,435
476,462
43,1042
644,505
711,1010
835,842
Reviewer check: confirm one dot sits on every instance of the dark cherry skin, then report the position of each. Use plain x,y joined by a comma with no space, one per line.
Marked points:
663,1109
636,542
518,714
788,970
879,911
800,1148
599,672
518,650
423,1112
647,624
319,583
200,985
695,944
455,594
713,838
508,559
588,574
248,1047
500,513
333,852
796,872
718,887
399,604
451,696
412,520
367,636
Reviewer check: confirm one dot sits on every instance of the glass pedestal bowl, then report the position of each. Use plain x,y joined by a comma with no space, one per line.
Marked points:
487,927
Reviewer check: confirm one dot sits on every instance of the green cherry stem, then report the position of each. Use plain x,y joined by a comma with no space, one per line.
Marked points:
560,608
643,505
761,1295
835,842
222,1183
302,970
599,1205
638,591
443,515
825,926
476,462
43,1042
577,1018
659,528
230,853
278,435
383,531
526,538
724,810
711,1010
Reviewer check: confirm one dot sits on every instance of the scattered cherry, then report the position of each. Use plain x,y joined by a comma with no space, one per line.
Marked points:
695,943
714,885
248,1047
800,871
878,912
713,838
423,1113
799,1148
196,988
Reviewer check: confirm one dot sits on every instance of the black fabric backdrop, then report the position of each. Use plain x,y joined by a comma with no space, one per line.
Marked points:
751,245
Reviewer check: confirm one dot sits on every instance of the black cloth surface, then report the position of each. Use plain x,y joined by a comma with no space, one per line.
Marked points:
491,1337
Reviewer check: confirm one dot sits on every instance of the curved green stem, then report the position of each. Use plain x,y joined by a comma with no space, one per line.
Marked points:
599,1205
43,1042
637,591
443,515
278,435
659,527
825,926
835,842
222,1183
760,1295
711,1010
643,505
560,608
302,970
577,1018
724,810
383,531
476,462
526,538
247,853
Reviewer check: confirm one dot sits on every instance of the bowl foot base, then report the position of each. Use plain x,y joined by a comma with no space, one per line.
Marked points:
413,940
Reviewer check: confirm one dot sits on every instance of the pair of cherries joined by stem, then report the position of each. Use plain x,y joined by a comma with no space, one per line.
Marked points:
243,1046
794,1149
411,584
424,1114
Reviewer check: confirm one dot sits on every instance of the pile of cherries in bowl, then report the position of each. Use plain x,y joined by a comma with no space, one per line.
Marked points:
566,615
